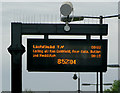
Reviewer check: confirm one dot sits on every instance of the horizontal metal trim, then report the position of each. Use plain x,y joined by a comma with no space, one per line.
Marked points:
58,29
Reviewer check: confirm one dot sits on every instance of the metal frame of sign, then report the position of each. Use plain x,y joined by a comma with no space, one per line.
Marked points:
16,48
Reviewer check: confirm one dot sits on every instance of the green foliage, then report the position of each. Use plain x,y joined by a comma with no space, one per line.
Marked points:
114,88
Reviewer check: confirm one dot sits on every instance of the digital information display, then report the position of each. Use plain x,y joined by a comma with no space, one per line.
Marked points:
66,55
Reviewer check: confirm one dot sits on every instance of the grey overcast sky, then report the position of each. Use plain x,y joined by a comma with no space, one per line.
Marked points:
49,12
60,0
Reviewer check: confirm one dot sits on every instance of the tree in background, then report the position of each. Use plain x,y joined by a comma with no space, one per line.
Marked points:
115,87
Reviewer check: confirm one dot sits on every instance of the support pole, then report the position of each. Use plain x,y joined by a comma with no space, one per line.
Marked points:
101,75
88,37
97,84
101,82
45,36
78,82
101,22
16,50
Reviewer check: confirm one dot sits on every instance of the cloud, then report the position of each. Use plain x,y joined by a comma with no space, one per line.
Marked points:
60,0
